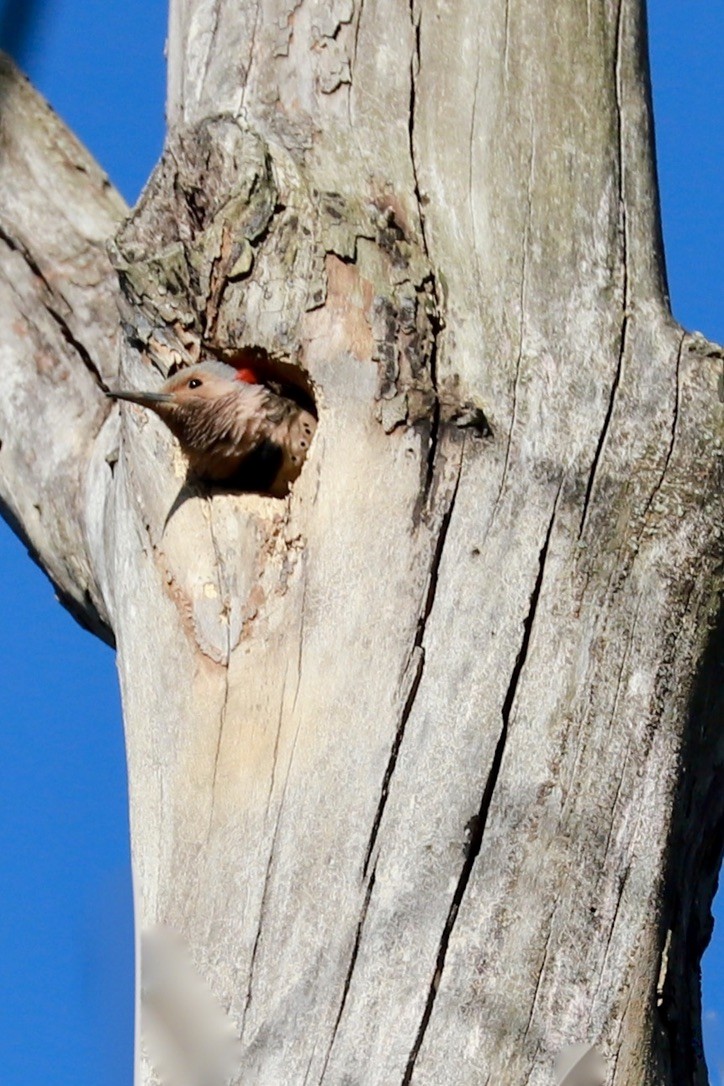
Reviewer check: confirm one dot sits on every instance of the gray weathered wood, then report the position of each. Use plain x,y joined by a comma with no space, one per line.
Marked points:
58,343
423,760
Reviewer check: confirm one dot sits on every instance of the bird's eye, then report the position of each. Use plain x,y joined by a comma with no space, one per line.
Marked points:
195,383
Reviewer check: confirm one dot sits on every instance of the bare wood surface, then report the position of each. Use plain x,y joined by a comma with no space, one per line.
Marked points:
58,342
426,783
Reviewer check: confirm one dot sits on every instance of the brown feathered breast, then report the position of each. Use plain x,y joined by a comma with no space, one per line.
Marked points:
249,437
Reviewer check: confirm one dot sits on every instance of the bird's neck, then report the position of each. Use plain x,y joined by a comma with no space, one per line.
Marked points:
203,425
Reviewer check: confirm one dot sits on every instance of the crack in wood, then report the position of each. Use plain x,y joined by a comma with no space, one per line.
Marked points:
275,753
436,322
419,664
522,307
606,422
24,253
252,48
265,892
506,36
417,654
435,329
210,48
625,277
224,596
672,434
358,21
541,971
260,924
417,659
619,683
623,879
350,971
414,70
309,1064
478,827
277,823
474,231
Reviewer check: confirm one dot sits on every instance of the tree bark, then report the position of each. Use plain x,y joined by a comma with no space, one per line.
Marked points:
59,344
424,759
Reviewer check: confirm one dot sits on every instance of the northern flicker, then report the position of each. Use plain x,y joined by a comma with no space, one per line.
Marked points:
232,431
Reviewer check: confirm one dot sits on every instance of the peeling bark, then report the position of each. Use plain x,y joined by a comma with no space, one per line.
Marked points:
433,776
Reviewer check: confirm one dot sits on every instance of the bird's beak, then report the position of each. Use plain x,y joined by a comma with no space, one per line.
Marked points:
146,399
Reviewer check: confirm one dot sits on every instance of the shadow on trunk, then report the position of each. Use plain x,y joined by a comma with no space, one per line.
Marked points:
696,851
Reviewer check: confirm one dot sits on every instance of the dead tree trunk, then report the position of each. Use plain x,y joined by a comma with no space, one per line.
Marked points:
423,759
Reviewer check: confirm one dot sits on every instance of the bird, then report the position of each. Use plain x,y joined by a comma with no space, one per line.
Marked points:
233,430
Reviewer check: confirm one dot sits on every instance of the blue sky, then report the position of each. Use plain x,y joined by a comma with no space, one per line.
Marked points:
65,904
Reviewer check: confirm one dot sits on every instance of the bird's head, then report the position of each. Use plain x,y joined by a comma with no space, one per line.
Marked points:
192,388
198,403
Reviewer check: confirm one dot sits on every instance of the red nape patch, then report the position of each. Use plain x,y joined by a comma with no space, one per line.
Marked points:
255,366
248,376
